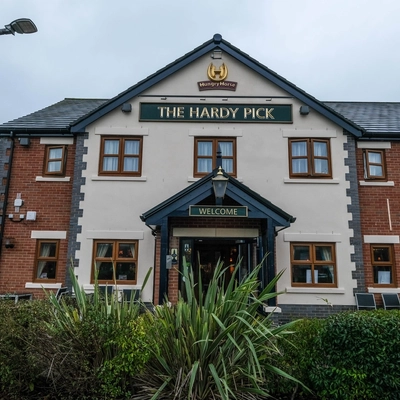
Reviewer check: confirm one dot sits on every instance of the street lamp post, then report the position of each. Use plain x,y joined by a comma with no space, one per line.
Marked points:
22,25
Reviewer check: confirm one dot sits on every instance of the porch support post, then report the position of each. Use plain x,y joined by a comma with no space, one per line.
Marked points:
163,291
270,238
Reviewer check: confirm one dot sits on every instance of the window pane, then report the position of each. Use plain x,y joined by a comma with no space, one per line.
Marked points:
105,270
111,146
321,166
126,271
110,164
301,274
301,253
131,147
381,254
104,250
226,148
323,253
204,148
375,170
48,249
375,158
126,250
227,165
131,164
300,166
54,166
299,149
46,269
55,153
204,165
324,274
383,274
320,149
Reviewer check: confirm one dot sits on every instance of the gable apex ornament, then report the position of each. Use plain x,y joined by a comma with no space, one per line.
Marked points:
217,74
217,79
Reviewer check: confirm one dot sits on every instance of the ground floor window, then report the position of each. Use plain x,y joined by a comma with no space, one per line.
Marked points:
313,264
115,260
46,259
382,264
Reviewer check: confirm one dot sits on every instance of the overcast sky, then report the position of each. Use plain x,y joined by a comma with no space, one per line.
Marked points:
334,50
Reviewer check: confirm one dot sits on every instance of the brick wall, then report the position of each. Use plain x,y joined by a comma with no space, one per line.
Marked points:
375,216
50,200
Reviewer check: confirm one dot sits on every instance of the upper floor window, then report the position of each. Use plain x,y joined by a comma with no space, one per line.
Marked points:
382,264
121,156
374,164
310,158
46,259
313,264
55,160
205,155
116,260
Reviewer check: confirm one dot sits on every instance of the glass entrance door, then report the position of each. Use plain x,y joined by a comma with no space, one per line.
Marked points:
203,256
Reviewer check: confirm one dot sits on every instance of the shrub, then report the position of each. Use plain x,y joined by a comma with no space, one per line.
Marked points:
213,345
358,356
20,326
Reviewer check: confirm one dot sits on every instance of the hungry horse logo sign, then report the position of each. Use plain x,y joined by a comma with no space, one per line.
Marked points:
217,76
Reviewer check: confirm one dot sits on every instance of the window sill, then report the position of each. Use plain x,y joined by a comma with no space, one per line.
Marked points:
90,287
315,290
193,179
312,181
52,179
376,183
119,178
384,289
33,285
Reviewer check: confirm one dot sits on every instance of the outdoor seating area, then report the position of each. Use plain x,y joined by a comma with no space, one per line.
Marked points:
16,296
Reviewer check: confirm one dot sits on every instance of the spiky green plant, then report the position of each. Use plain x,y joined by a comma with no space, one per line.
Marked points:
214,345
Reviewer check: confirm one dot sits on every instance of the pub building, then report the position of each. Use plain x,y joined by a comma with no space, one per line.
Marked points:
215,157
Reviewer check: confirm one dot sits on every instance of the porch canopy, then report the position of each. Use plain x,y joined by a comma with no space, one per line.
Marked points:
201,193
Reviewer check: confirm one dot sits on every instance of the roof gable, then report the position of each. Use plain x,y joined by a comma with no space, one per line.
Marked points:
216,43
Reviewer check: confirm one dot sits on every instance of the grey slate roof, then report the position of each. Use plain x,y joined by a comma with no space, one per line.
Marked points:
377,119
57,117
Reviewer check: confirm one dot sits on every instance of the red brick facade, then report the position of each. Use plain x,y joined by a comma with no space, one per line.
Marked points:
52,202
380,212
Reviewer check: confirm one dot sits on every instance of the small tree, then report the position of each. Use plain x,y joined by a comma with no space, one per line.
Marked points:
214,345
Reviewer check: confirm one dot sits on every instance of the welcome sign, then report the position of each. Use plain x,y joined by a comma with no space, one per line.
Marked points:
278,113
218,211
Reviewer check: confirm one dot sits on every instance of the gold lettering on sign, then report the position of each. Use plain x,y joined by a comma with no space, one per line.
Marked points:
217,75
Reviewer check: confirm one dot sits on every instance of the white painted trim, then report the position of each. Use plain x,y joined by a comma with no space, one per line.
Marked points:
315,290
309,133
215,232
119,178
193,179
122,235
57,140
48,234
90,287
386,239
312,181
383,290
269,309
216,132
32,285
312,237
374,145
50,179
376,183
120,130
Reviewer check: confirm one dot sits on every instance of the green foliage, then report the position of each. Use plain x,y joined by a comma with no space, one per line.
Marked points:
298,352
95,345
359,356
213,345
20,325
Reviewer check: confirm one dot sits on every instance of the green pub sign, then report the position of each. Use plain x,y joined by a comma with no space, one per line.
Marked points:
169,112
218,211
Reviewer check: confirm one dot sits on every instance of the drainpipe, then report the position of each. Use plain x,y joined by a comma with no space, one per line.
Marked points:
5,203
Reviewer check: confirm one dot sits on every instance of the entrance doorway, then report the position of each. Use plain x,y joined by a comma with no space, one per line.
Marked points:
203,255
